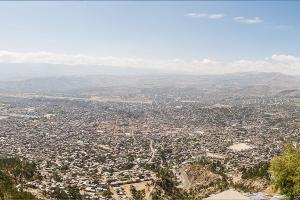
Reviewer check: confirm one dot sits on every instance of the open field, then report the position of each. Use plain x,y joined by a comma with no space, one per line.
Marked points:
240,147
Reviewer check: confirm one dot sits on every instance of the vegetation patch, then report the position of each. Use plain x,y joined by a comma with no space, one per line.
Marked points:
14,173
285,172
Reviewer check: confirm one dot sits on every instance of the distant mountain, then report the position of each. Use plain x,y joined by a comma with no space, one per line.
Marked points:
260,78
18,71
253,83
294,93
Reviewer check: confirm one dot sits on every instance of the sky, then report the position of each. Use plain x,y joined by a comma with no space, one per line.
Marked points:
203,37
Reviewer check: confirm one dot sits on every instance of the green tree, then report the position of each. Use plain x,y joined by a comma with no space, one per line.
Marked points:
107,193
166,181
165,187
22,195
137,194
57,177
74,193
59,194
260,170
156,195
1,195
14,171
285,172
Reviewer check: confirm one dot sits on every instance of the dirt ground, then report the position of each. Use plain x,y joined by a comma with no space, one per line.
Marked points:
139,186
37,194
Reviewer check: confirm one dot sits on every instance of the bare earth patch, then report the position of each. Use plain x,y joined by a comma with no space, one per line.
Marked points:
240,147
139,186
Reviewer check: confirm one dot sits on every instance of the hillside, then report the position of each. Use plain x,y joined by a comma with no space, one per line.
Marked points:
14,173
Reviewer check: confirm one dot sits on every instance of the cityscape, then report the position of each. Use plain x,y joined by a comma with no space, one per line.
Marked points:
150,100
104,144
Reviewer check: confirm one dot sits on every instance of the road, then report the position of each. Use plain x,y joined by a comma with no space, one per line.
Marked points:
185,181
152,151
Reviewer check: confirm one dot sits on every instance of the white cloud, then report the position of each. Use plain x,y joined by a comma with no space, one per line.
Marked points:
285,58
71,59
244,20
66,59
207,16
216,16
288,64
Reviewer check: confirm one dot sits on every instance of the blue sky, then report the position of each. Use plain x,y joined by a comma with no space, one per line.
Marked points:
154,32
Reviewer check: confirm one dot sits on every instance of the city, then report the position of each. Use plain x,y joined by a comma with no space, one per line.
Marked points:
150,100
109,143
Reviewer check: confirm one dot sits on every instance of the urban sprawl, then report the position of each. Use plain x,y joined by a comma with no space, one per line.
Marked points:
103,144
